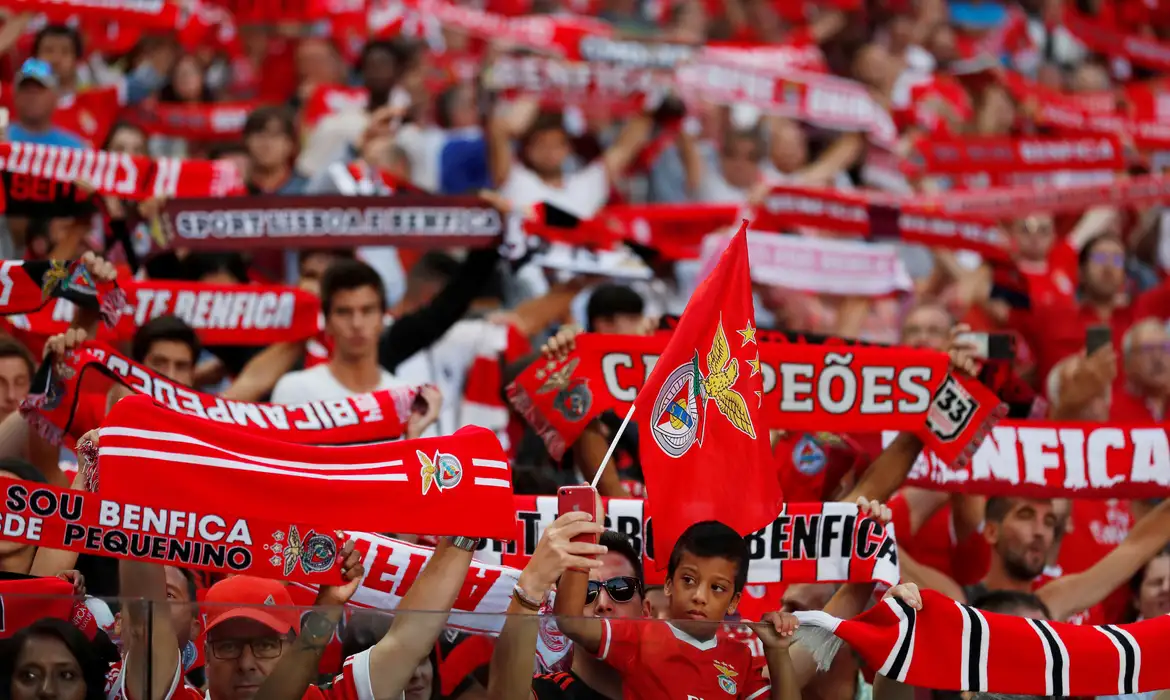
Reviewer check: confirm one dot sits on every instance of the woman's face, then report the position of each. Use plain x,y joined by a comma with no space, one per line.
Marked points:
130,141
188,79
1154,595
421,681
46,670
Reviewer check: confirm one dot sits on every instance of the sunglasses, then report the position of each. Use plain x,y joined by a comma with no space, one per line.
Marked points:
621,589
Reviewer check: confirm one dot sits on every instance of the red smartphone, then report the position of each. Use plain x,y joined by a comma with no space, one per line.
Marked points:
578,498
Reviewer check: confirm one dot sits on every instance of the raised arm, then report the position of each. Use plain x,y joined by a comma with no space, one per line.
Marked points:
415,629
1071,594
298,666
510,673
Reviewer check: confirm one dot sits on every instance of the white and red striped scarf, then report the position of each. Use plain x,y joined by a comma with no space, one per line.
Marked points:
120,174
455,485
949,646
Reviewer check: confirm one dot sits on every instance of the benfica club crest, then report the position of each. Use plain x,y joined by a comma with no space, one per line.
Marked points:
680,409
727,675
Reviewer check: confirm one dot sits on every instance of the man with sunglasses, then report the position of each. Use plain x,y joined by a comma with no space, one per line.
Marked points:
615,590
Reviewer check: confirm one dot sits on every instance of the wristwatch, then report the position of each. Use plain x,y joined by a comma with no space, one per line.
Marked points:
467,544
316,627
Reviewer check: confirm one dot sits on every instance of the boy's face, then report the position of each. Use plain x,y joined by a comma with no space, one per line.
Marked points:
702,589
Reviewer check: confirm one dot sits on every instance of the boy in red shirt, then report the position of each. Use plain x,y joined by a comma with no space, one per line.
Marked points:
705,578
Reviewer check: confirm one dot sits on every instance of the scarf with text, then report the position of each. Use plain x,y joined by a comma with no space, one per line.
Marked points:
459,484
120,174
881,218
1010,202
555,83
197,122
1016,156
26,287
51,406
1048,459
821,100
1063,114
817,265
806,387
331,221
222,314
950,646
807,543
209,539
560,34
1138,50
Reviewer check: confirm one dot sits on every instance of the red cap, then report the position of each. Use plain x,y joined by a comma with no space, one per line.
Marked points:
264,600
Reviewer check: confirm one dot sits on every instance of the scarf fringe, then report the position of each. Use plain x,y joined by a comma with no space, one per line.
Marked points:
816,634
36,420
113,303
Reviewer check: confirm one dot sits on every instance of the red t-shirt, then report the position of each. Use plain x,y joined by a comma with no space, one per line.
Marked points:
934,544
352,684
1124,407
658,660
89,113
1095,528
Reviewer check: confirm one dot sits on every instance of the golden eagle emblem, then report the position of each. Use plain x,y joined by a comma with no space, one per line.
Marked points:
722,373
53,277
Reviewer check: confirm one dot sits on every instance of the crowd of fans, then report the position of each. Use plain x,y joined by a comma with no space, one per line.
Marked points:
410,107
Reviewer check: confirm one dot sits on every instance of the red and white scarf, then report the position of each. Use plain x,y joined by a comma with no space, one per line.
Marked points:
950,646
27,286
198,122
208,538
1047,459
120,174
52,403
222,314
817,265
455,485
806,386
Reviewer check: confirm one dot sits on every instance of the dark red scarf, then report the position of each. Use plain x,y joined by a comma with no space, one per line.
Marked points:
460,484
806,387
26,287
210,538
198,122
52,404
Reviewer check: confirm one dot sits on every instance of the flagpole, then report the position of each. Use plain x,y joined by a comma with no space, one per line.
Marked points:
612,446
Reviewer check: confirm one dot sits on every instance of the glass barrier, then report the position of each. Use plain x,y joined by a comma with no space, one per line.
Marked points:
63,647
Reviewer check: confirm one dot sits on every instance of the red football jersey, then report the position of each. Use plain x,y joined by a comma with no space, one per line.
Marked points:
89,113
658,660
1095,528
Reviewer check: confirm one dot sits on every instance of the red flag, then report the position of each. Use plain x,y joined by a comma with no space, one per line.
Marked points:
703,440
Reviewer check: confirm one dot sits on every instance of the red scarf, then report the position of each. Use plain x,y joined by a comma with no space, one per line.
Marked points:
26,287
824,386
999,155
331,221
52,403
151,14
1048,459
198,122
880,217
1012,202
208,538
122,175
1138,50
23,601
455,485
559,34
554,83
222,314
948,646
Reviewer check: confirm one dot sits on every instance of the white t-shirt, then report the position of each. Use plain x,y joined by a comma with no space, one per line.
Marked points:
582,193
319,384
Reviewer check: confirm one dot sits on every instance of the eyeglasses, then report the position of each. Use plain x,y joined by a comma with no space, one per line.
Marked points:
1109,259
620,588
262,648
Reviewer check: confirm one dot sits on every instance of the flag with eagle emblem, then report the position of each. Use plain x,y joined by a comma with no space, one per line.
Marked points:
703,441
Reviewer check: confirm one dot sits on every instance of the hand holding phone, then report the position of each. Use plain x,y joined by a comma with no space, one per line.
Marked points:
581,498
1097,337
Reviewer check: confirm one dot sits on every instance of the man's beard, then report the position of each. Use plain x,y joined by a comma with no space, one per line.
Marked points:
1018,568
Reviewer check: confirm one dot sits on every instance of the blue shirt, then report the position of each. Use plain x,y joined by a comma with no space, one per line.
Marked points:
51,137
